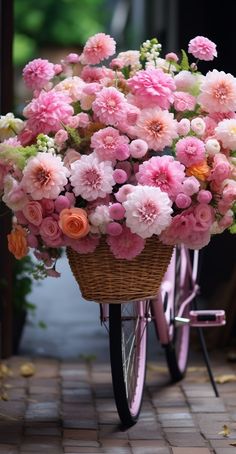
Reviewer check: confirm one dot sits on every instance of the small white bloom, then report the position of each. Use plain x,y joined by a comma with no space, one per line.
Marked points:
198,126
212,147
10,126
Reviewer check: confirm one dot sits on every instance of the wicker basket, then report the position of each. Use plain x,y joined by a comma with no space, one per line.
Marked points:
103,278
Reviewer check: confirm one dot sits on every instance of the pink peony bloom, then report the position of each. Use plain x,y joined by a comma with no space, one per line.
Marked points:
190,151
226,133
72,58
152,87
204,196
92,178
163,172
106,141
48,112
127,245
183,200
14,195
221,168
185,81
171,56
99,218
148,211
218,92
138,148
120,176
33,212
190,186
37,73
44,176
72,87
157,127
61,137
110,106
202,48
92,74
85,245
184,101
98,47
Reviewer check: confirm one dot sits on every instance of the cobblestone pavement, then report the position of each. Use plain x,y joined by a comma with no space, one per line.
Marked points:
68,407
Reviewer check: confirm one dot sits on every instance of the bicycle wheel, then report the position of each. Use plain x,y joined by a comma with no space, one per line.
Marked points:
178,347
128,342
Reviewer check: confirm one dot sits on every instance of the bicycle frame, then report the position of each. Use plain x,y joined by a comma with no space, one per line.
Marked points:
167,289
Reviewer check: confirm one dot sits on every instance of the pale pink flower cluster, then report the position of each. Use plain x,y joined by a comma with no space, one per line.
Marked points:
142,147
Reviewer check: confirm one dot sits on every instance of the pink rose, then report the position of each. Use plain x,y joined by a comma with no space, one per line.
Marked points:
33,212
51,232
47,206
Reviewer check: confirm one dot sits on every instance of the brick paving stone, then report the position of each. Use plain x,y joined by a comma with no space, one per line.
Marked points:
190,450
188,439
207,405
80,434
229,450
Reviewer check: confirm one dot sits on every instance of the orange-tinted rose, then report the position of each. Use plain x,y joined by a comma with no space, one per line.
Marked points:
74,222
17,242
200,171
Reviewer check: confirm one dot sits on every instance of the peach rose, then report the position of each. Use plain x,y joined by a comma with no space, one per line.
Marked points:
74,222
17,242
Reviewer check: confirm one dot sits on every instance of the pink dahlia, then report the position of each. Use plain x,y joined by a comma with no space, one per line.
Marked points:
152,87
148,211
91,74
48,112
92,178
202,48
157,127
72,86
106,141
44,176
218,92
190,151
37,73
110,106
163,172
98,47
127,245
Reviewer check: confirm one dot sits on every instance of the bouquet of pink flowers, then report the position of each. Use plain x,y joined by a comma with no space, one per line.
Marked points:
143,146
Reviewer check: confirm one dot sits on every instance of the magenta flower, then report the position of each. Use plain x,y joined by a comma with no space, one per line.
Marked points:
37,73
98,47
127,245
202,48
48,112
163,172
153,87
106,141
110,106
190,151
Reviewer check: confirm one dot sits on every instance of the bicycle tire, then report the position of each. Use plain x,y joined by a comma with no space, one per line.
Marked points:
128,345
178,348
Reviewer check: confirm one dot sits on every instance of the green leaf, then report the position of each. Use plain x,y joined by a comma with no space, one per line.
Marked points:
42,324
184,62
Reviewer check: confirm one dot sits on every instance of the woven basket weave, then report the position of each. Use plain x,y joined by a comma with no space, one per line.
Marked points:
103,278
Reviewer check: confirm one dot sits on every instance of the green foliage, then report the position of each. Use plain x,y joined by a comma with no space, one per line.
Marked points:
22,284
58,23
184,62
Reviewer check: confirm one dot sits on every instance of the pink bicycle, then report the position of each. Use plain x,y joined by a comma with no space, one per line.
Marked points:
172,314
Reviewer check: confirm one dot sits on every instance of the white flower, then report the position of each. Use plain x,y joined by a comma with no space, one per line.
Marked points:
92,178
99,218
198,126
226,133
212,147
10,126
148,211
